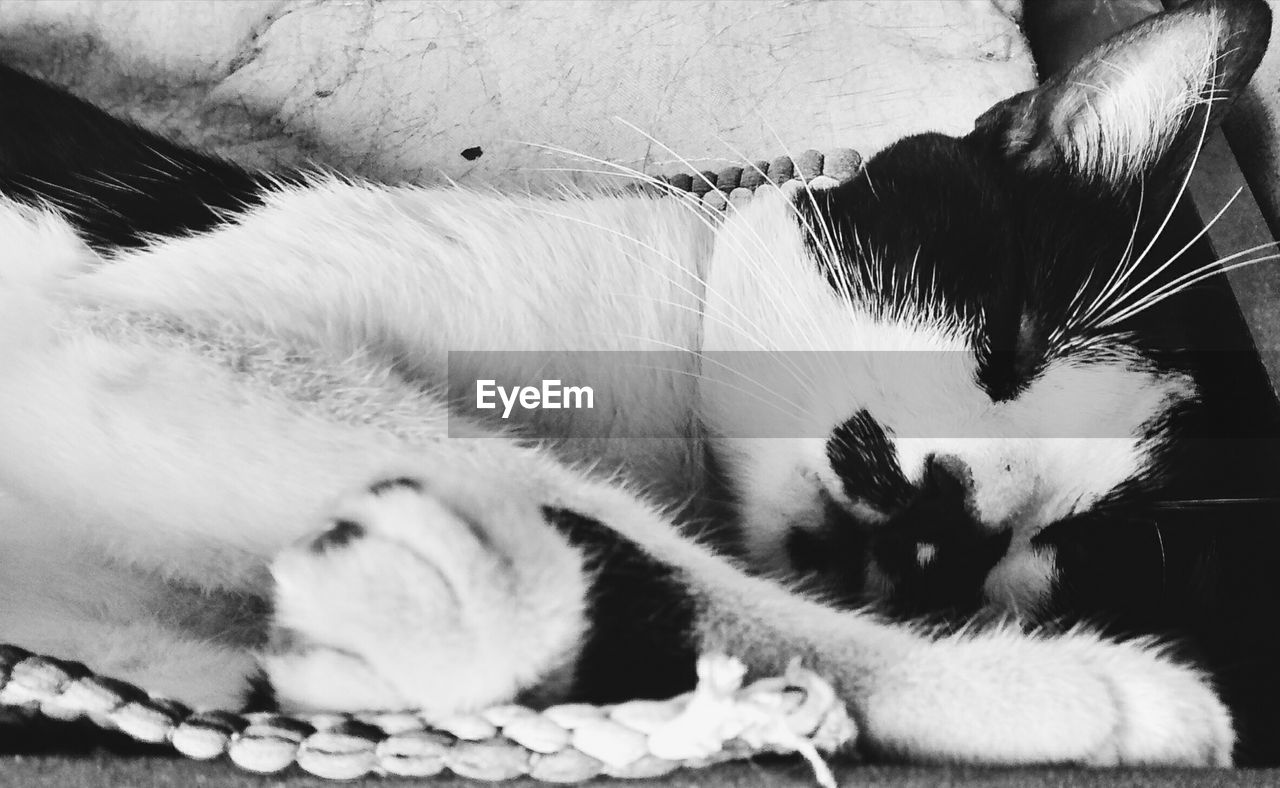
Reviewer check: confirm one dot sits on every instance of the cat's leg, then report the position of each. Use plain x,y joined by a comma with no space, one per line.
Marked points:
63,597
117,183
174,471
433,589
994,697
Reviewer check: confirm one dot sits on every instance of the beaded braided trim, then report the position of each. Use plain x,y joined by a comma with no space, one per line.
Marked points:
735,185
720,720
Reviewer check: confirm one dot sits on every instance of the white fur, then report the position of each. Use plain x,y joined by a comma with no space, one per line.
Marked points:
416,597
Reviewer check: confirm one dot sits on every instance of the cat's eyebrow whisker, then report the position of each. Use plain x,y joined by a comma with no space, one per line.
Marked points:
1124,267
1178,285
1128,270
1182,189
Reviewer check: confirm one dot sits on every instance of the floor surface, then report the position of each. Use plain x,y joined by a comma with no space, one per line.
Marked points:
58,772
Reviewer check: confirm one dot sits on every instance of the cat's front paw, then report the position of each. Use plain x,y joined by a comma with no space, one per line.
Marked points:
1005,698
423,597
1165,712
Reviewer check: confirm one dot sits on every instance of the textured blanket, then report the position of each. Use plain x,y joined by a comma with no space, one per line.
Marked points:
457,88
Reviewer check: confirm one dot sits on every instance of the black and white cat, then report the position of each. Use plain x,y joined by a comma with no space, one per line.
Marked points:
230,444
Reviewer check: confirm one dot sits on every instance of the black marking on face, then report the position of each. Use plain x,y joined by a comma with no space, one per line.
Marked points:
641,614
342,533
937,560
863,458
387,485
1010,359
931,552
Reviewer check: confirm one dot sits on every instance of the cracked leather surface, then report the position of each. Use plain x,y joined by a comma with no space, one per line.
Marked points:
400,90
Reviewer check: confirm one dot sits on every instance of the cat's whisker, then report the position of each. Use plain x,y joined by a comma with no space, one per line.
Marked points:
792,413
1121,270
696,276
1182,189
1210,266
1208,270
803,335
1118,302
1178,286
830,248
778,406
706,316
828,252
805,382
700,298
1102,302
1181,502
622,169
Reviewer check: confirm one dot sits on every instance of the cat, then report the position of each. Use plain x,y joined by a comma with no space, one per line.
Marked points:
238,446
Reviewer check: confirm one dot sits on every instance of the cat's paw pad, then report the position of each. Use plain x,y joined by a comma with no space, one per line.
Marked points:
406,600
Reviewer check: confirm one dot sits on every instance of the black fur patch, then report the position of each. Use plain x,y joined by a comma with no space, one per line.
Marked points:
1202,573
261,695
342,533
387,485
641,614
117,183
864,460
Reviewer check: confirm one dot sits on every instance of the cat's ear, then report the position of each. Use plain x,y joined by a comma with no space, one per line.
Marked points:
1139,102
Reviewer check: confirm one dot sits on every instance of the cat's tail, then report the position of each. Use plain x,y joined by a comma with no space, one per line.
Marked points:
118,184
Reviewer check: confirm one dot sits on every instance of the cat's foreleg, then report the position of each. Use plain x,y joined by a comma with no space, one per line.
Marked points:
988,696
496,607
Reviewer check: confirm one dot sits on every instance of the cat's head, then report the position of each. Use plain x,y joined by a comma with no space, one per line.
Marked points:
962,346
